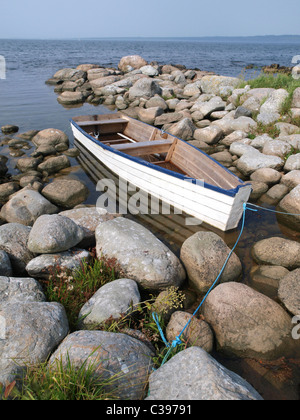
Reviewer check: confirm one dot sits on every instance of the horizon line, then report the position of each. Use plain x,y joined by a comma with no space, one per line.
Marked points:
152,37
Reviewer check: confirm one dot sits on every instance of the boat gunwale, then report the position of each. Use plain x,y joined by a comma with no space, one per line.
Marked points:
230,192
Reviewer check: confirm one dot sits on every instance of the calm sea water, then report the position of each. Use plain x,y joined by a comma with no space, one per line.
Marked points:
25,100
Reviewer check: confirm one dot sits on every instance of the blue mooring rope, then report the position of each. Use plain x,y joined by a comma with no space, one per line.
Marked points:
177,340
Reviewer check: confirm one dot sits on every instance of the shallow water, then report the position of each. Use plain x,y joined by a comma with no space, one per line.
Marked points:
25,100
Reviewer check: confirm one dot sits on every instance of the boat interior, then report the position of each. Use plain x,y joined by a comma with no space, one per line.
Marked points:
151,144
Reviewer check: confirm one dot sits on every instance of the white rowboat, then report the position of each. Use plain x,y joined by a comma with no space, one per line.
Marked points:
165,167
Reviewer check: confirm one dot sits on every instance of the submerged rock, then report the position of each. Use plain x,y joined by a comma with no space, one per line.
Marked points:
28,163
266,278
9,129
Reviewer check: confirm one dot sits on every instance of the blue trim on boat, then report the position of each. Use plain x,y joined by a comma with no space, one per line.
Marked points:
231,192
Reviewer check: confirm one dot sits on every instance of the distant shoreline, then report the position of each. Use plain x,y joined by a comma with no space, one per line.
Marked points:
239,39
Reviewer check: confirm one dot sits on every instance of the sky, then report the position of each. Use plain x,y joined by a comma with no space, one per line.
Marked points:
55,19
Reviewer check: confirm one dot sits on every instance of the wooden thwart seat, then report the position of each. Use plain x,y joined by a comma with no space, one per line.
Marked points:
102,122
108,126
144,148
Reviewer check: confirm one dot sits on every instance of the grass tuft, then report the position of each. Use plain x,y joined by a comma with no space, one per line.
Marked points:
280,81
74,289
62,382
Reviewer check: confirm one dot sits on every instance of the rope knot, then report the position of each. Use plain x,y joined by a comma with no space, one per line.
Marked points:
176,342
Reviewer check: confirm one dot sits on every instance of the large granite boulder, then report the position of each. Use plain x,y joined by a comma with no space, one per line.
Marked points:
289,291
144,88
66,193
203,255
194,375
254,160
247,323
291,204
111,301
32,331
50,137
126,360
13,240
277,251
88,218
20,290
26,206
46,265
140,255
54,233
214,84
131,62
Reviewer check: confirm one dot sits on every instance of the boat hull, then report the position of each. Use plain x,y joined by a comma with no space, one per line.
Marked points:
218,208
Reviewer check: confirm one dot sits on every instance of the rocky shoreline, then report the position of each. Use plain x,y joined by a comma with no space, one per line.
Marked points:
242,128
44,224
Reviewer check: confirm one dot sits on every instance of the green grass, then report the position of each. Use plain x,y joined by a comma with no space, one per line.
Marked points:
61,382
280,81
291,153
73,290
